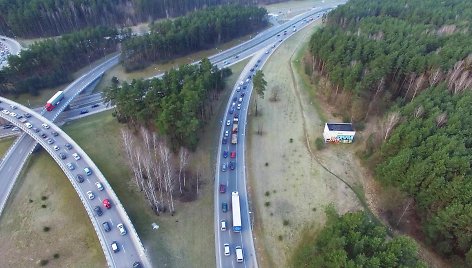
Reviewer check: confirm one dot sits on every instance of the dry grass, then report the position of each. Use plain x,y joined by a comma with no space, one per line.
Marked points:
281,169
5,144
24,242
290,9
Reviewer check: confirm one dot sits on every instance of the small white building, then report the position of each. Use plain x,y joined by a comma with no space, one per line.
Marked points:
338,133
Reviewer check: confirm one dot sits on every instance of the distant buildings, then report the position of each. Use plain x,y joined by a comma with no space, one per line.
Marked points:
338,133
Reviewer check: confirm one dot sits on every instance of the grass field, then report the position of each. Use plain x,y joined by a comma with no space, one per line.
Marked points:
288,187
5,144
43,198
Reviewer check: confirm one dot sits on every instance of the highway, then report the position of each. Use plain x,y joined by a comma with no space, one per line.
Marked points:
235,180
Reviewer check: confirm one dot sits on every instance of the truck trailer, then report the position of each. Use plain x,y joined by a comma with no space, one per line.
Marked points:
54,101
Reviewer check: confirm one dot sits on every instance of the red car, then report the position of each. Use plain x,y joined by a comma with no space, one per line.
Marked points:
233,155
222,188
107,203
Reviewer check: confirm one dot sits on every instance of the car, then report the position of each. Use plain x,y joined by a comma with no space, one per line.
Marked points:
19,116
240,100
244,87
44,125
12,114
267,52
106,226
241,83
259,60
238,89
76,156
114,246
236,115
68,146
95,105
222,188
83,111
239,254
227,132
7,126
121,228
278,35
232,165
233,154
62,155
137,264
225,154
231,110
224,207
88,171
28,125
225,140
50,141
98,211
106,203
225,62
294,29
239,106
280,40
285,33
35,129
56,148
54,133
235,99
223,167
90,195
99,186
273,45
79,178
228,122
223,225
252,69
27,115
15,129
243,94
5,111
70,166
43,135
13,107
226,247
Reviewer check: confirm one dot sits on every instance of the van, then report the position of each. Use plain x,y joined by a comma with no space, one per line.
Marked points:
223,225
239,254
28,125
87,171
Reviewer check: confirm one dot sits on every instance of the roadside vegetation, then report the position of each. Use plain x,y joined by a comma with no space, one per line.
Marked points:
5,143
410,66
196,31
355,240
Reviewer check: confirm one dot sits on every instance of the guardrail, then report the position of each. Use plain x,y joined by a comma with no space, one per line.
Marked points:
120,209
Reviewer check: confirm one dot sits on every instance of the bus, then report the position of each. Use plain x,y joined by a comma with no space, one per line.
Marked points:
236,212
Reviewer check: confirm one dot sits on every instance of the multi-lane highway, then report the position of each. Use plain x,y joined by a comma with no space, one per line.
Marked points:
231,156
99,199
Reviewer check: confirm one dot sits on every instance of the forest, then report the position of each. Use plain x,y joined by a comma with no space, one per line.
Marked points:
44,18
354,240
51,62
408,63
176,105
198,30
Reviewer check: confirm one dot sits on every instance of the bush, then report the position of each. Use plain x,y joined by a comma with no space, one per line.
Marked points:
46,229
267,193
43,262
319,143
56,255
267,204
286,223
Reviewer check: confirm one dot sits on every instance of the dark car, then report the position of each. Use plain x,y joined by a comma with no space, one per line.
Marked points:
137,264
95,105
98,211
224,207
79,178
83,111
27,115
235,98
62,155
242,94
236,115
244,87
35,129
225,140
7,126
43,135
225,154
222,188
106,226
54,133
232,165
68,146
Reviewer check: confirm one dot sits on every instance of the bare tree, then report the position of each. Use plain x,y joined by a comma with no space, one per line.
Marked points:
183,161
275,93
441,119
390,123
168,168
419,111
260,129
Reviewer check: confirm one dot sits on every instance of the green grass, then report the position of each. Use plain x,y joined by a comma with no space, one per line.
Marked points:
5,144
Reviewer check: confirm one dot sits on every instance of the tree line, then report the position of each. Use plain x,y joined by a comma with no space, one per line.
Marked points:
177,105
412,61
51,62
199,30
375,53
354,240
36,18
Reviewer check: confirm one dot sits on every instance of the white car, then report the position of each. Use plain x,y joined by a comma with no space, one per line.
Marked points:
15,129
122,228
5,112
228,122
56,148
76,156
13,107
44,125
12,114
227,252
226,133
90,195
99,186
223,225
28,125
239,106
70,166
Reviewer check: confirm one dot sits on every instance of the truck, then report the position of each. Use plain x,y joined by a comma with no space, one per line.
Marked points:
236,212
234,138
235,125
54,101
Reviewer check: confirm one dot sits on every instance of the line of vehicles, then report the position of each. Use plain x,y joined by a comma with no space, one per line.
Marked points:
62,152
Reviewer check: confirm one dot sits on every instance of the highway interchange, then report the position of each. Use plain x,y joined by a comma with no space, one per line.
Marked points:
261,46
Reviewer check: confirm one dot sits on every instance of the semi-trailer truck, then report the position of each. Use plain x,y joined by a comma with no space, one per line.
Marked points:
234,138
235,125
54,101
